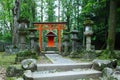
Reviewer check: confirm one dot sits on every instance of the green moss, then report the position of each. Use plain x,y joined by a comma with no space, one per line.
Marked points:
9,78
88,22
5,61
12,78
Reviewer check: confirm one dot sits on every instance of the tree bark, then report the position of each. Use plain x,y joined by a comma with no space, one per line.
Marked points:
58,10
16,13
42,7
112,26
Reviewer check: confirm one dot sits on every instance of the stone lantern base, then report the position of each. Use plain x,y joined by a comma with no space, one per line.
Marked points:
89,55
89,33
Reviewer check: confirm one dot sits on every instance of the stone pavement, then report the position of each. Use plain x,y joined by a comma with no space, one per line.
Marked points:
58,59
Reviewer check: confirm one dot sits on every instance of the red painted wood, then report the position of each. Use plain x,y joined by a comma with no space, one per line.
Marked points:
51,41
51,36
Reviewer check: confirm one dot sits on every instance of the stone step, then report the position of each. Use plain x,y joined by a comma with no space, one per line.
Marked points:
50,52
63,67
67,75
51,49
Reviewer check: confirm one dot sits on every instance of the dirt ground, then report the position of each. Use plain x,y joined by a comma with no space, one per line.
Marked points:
41,60
2,73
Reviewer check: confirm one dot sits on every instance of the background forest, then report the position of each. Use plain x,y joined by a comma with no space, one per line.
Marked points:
104,13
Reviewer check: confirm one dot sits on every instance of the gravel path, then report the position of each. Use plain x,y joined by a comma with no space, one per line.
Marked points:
58,59
43,60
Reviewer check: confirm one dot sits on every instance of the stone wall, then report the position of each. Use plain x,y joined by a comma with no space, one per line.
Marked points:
11,49
3,45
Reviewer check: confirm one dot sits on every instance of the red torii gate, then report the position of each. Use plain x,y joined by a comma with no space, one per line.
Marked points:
50,26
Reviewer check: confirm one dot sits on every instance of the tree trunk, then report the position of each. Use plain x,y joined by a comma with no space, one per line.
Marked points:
58,10
16,13
112,26
68,23
42,10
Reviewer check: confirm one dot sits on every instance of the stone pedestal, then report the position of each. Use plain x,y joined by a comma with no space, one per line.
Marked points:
88,43
88,33
36,45
88,40
66,44
74,39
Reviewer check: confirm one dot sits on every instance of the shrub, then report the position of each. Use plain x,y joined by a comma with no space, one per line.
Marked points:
108,54
25,55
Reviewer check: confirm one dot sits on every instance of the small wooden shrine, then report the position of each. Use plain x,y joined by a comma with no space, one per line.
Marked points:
50,36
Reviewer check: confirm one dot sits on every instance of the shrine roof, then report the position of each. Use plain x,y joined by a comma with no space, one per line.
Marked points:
50,34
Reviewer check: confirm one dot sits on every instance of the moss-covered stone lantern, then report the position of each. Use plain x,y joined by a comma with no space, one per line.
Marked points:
22,30
88,33
74,38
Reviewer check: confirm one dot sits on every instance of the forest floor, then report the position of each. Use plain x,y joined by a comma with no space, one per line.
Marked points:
7,60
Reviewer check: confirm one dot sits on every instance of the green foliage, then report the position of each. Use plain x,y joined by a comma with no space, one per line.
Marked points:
117,55
26,8
107,54
104,55
24,11
6,37
6,19
27,53
50,10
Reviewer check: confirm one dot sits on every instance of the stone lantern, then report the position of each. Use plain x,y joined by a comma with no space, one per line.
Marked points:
88,33
66,43
22,31
32,37
36,45
74,38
